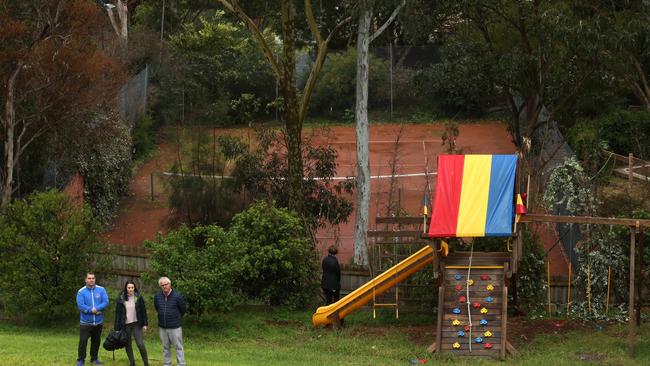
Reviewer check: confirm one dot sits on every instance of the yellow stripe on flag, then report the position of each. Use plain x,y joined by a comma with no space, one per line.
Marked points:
472,213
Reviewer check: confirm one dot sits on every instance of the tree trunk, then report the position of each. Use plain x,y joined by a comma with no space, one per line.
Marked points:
361,122
9,127
294,121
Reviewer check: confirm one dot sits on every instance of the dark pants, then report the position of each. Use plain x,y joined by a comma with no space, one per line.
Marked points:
135,331
331,296
94,332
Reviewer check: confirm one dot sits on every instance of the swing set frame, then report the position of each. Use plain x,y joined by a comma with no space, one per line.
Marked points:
636,228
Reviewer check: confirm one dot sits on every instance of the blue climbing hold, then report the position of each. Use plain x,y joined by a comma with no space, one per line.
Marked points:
489,299
458,277
461,333
456,311
483,322
478,340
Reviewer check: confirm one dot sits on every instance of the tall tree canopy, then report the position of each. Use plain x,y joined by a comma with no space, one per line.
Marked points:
51,72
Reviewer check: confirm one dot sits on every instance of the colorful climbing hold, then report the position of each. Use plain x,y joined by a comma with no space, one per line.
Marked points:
489,299
456,311
456,322
462,299
485,277
470,282
483,322
458,288
487,346
490,287
478,340
487,334
458,277
484,311
467,328
461,333
476,305
456,345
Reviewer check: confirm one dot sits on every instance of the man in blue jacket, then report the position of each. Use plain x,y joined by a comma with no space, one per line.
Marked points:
91,301
170,306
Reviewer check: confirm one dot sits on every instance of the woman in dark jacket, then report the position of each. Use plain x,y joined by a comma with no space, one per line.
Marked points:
131,316
331,280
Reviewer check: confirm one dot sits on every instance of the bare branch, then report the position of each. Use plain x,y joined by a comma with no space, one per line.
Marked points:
318,64
387,23
234,8
312,23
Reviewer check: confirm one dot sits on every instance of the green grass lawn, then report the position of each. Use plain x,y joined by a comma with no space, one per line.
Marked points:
266,336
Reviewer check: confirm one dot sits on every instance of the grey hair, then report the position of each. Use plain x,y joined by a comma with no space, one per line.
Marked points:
163,279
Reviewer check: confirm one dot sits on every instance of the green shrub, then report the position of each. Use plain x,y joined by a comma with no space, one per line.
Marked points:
202,263
626,132
104,161
48,244
280,263
142,136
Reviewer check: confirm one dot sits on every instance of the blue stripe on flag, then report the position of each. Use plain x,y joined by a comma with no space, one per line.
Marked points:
500,206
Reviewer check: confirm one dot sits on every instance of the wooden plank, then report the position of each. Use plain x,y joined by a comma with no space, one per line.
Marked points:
631,336
504,323
393,234
511,349
401,220
441,310
584,220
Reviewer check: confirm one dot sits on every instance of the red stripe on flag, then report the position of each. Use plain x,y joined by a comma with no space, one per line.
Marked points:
444,216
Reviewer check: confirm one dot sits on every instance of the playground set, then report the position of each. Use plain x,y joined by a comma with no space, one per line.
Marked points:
474,197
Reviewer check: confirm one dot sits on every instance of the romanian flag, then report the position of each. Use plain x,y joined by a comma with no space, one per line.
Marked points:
520,209
474,195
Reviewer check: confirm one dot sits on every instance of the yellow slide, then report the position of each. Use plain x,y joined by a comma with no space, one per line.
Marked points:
363,295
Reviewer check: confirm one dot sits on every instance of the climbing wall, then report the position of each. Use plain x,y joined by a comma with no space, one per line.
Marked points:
471,323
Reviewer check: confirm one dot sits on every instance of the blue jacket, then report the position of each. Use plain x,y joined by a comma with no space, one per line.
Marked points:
88,298
170,309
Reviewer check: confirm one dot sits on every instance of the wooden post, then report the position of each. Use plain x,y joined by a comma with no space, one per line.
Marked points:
151,180
631,336
504,320
630,174
441,311
639,286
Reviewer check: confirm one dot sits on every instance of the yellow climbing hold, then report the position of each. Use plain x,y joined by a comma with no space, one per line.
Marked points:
456,322
484,311
487,334
490,287
470,282
456,345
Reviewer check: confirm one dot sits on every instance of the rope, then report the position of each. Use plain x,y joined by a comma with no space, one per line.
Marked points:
469,311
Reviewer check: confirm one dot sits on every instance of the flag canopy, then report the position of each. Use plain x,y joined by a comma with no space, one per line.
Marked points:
474,196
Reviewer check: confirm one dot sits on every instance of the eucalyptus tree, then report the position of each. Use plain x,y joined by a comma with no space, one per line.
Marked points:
257,16
363,184
51,72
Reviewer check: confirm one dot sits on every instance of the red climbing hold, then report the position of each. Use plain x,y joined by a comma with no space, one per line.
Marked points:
485,277
467,328
462,299
476,305
487,345
458,288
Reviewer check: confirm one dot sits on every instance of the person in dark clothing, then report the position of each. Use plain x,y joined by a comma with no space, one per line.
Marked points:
171,307
131,316
331,280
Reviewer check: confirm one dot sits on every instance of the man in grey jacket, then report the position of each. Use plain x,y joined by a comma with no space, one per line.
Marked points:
171,307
